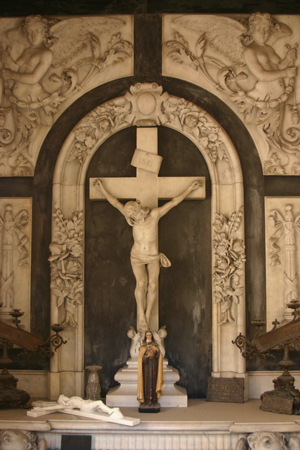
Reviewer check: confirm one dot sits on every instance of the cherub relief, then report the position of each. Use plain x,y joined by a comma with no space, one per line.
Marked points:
45,63
261,440
238,58
21,440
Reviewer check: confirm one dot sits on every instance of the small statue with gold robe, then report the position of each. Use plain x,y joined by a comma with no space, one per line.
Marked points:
150,375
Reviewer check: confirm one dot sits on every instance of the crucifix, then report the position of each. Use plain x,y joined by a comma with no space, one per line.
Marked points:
143,215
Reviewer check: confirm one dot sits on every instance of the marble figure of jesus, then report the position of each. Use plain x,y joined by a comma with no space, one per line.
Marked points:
145,257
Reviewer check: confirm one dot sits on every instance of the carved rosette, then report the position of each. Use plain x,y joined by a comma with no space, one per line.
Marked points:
66,263
229,252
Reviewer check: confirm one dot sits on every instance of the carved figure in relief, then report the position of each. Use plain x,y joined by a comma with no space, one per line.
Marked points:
21,440
261,440
87,406
145,257
262,60
239,59
288,225
28,70
44,63
11,226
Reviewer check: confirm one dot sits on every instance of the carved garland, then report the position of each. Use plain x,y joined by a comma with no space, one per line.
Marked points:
66,264
229,258
194,121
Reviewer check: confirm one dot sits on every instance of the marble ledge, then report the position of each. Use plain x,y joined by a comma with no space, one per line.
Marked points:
199,417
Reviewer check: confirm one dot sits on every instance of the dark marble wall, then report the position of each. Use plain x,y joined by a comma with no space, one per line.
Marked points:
185,288
23,8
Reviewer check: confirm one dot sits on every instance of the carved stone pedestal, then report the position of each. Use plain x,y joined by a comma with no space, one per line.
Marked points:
126,394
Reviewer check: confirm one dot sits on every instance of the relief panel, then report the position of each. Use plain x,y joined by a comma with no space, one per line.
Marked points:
15,257
250,62
282,256
48,63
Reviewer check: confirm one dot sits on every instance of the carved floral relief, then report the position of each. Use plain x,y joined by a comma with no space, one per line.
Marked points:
229,252
66,263
47,63
167,110
196,123
97,125
251,63
15,257
283,256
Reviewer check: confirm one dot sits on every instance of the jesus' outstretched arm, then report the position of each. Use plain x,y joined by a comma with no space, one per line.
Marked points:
178,199
110,198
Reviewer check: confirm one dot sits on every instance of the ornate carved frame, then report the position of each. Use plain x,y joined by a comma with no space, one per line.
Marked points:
147,105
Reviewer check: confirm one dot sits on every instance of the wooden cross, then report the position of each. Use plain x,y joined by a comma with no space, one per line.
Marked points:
147,186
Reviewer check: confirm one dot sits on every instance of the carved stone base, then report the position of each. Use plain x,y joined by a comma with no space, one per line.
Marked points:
126,394
284,399
10,396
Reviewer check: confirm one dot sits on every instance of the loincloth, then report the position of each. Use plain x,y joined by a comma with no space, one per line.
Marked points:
141,259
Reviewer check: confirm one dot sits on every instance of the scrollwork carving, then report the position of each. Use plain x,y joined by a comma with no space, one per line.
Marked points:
238,58
66,264
46,62
229,259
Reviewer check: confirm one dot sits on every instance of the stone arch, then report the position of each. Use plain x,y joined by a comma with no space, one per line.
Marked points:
144,105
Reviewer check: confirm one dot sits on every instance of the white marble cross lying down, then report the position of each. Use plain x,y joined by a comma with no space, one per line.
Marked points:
85,408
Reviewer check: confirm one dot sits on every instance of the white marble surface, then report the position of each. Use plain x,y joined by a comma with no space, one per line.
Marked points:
202,425
126,394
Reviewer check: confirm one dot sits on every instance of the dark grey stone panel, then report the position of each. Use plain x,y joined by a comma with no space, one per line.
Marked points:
185,291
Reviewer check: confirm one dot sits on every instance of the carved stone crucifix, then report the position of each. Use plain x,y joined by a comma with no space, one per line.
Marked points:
149,188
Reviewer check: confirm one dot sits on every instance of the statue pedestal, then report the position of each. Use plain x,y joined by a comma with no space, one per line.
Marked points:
126,394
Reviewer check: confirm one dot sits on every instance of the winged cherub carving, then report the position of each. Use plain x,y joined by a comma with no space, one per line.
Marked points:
241,60
47,61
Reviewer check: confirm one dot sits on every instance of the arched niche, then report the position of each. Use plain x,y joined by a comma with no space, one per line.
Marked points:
227,201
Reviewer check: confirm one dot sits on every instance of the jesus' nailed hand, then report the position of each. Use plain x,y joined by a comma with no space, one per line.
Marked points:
145,257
